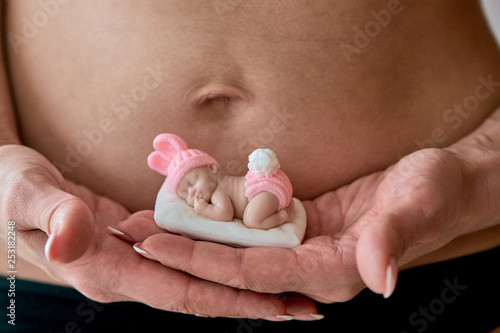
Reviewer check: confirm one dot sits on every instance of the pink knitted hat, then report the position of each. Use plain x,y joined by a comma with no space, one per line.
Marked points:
173,159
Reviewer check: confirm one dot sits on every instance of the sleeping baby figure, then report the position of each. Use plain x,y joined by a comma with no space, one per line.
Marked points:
262,199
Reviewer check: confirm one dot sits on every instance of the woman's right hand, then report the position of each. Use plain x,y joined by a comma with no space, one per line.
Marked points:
63,228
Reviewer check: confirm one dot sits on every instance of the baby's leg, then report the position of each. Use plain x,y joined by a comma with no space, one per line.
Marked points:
260,213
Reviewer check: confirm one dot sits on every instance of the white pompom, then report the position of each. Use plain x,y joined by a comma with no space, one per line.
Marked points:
263,162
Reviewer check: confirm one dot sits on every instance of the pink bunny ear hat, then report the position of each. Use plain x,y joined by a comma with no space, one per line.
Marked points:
174,159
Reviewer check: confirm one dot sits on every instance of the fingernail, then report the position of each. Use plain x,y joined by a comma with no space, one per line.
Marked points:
121,235
317,316
50,240
48,244
143,253
286,317
200,315
138,249
280,318
390,277
308,317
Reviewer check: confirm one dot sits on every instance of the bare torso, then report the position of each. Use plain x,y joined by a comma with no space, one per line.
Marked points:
337,89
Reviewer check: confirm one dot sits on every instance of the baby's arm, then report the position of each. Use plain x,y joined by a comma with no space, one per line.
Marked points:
220,208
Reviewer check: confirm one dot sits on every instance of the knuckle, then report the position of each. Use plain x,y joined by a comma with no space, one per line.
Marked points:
192,298
17,191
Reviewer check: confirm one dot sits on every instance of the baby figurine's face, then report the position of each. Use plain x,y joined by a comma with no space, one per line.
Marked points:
198,183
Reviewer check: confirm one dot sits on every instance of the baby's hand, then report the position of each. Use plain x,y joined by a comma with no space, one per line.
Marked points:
200,205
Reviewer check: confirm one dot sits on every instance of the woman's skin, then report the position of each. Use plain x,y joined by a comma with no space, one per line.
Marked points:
343,103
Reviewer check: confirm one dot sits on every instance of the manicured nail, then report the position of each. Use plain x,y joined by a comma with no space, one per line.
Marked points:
145,254
286,317
317,316
48,245
280,318
308,317
390,277
200,315
50,240
139,250
121,235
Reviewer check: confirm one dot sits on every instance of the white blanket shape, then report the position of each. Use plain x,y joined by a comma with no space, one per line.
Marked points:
175,215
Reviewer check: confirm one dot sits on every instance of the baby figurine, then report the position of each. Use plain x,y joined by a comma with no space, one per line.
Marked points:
262,198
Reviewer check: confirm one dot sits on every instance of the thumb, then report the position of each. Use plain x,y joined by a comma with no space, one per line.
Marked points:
35,194
417,210
70,230
382,244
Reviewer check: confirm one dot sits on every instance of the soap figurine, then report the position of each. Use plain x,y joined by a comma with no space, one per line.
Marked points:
262,199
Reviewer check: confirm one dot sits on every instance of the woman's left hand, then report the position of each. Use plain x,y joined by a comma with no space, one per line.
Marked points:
361,233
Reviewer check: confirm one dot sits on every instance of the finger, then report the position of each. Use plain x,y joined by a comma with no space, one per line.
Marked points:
71,229
62,229
33,196
137,227
213,299
418,206
259,269
232,273
169,289
384,241
375,260
66,220
300,307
